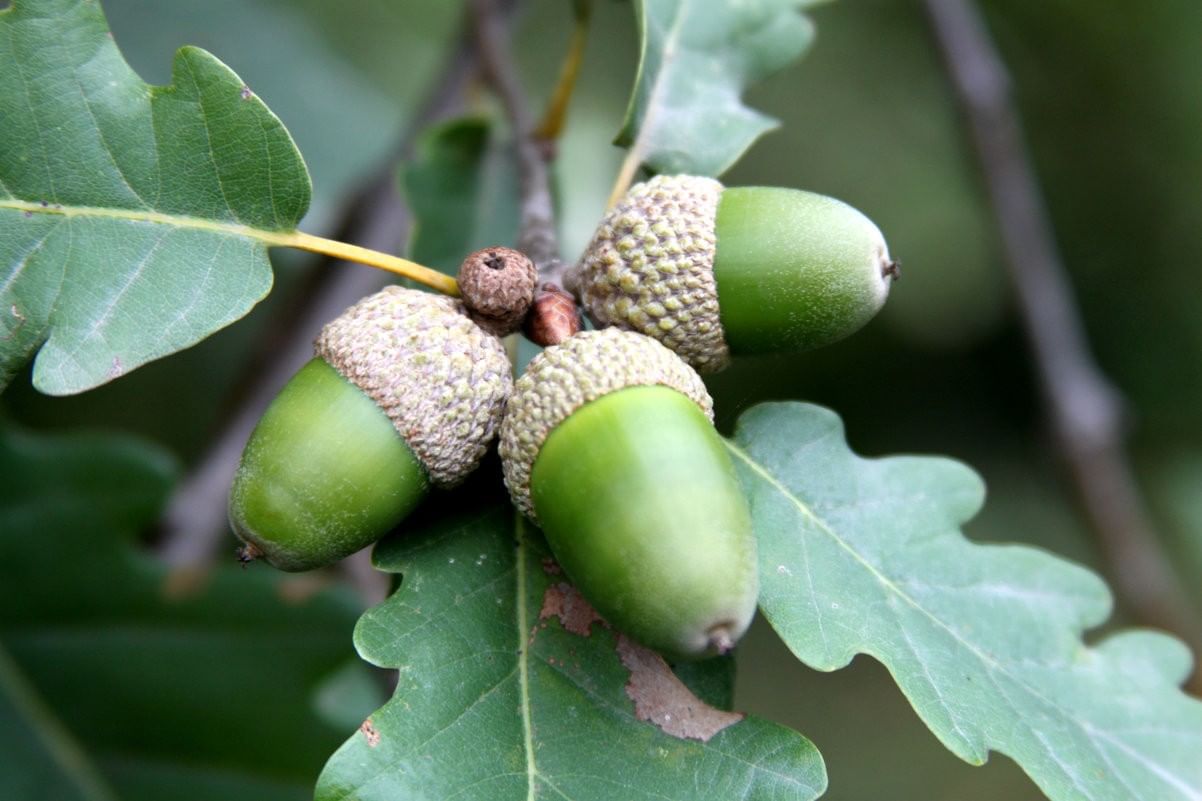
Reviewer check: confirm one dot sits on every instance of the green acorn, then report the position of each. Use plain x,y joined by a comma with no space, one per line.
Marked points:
793,270
608,445
405,392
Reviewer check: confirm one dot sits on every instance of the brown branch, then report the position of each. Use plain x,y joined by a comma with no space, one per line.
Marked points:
1085,409
537,237
194,524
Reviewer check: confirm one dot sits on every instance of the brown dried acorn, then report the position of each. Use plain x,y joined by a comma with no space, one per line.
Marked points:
405,391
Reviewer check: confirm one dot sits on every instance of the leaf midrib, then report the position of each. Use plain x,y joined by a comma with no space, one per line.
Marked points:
670,44
524,653
152,217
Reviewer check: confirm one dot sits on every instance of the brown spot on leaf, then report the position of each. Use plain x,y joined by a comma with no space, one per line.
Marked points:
565,602
663,699
369,733
550,566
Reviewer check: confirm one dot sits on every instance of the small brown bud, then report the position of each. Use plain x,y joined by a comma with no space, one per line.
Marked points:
497,285
553,318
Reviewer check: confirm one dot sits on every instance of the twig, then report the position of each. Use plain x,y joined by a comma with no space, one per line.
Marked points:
337,249
556,113
631,164
537,237
1084,408
194,524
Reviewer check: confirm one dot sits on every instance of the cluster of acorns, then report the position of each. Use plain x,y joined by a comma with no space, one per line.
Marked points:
607,438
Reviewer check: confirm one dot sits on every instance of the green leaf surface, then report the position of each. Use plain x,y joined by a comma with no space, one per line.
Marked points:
118,680
133,219
51,764
343,77
509,688
463,191
686,114
866,556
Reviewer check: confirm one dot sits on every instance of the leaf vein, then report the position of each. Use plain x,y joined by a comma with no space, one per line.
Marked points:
108,150
988,661
524,654
17,64
204,122
29,254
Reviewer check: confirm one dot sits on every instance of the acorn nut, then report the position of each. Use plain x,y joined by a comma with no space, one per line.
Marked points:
405,391
608,445
793,270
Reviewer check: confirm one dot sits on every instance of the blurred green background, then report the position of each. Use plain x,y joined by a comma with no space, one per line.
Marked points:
1111,97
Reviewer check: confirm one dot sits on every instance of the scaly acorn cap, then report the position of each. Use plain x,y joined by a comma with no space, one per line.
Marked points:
441,380
650,267
565,377
793,270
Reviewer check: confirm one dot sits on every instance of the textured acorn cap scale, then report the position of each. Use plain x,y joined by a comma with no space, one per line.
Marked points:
650,268
565,377
441,380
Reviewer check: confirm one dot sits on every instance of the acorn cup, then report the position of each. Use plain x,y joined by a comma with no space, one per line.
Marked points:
608,445
713,271
405,391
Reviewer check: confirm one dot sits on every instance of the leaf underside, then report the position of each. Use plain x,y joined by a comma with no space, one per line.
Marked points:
131,216
686,114
510,689
866,556
120,680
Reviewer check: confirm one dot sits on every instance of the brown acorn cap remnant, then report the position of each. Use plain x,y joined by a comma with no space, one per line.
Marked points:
497,285
441,380
581,369
650,268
